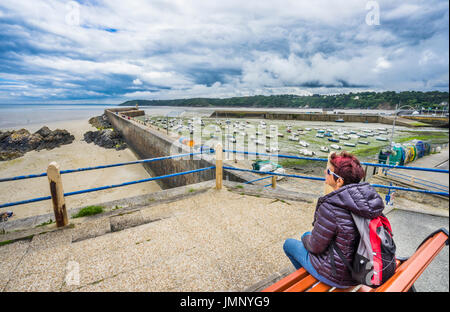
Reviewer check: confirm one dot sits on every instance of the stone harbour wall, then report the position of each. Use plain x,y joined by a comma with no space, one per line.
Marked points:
148,143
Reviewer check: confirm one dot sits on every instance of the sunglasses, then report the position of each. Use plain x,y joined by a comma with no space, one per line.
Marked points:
329,172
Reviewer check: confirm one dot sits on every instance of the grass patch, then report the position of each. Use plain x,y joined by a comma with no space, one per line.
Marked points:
88,211
368,151
191,190
418,124
280,200
433,138
287,163
45,223
240,186
6,242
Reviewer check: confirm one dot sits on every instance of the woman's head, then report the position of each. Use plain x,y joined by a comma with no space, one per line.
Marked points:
343,169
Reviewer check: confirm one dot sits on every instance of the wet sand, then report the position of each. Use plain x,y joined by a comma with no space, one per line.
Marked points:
78,154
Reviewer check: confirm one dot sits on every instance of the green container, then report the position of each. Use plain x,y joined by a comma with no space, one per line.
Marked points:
397,156
382,157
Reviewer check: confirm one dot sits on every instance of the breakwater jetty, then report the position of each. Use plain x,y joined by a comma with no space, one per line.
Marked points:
328,117
146,142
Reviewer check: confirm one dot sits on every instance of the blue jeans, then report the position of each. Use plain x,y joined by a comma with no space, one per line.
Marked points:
299,257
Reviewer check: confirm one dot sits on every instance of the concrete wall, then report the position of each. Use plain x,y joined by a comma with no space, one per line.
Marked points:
149,143
364,118
299,116
434,121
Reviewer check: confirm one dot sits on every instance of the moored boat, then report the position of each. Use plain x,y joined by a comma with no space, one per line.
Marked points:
303,143
306,152
333,140
335,146
272,149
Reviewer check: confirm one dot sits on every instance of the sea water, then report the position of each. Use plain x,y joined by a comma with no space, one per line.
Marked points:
22,115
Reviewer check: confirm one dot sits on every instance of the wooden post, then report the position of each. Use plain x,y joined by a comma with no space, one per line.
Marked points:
274,181
57,192
380,170
219,165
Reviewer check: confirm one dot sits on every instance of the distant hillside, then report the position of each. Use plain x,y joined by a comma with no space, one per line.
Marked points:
372,100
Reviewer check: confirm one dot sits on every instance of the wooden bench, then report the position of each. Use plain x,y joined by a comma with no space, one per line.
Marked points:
407,272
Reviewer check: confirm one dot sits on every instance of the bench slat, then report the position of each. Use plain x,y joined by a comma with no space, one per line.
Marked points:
288,281
303,285
344,289
320,287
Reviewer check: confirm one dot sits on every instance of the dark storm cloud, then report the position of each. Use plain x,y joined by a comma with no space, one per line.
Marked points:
116,50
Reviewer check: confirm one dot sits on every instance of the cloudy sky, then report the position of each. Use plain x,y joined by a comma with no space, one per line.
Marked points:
95,51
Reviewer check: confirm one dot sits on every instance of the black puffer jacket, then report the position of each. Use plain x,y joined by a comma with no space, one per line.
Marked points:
333,221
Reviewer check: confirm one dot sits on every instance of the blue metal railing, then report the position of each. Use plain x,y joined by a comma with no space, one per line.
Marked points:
408,178
257,180
326,159
208,151
103,187
101,167
106,187
323,179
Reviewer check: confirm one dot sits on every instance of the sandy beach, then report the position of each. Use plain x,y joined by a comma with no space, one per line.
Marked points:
78,154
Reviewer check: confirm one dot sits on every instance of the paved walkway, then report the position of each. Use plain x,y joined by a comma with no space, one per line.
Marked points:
215,241
212,241
410,229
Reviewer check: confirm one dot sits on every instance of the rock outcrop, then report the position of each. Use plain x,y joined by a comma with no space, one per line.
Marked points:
100,122
16,143
106,138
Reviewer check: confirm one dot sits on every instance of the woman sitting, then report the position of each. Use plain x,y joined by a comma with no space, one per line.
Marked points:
333,222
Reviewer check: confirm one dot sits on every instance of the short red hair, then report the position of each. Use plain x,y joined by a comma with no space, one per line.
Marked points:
348,167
